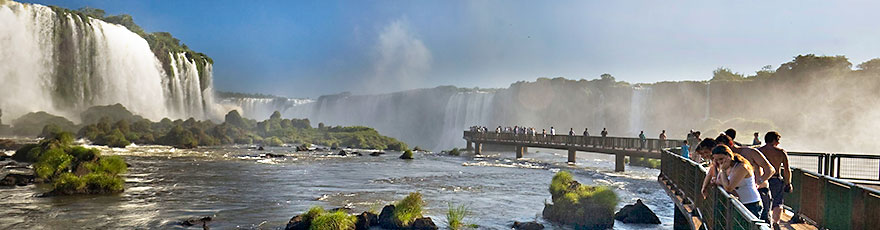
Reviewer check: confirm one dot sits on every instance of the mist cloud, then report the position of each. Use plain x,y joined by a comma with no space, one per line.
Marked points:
402,60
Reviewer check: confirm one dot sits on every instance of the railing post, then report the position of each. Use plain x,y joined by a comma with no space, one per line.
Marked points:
571,155
619,162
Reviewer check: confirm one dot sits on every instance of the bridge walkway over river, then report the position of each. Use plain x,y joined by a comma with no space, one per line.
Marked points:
830,191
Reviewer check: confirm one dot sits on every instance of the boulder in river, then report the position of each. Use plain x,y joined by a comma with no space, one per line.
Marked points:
342,153
637,213
365,220
376,154
424,223
527,225
14,179
386,218
302,148
297,223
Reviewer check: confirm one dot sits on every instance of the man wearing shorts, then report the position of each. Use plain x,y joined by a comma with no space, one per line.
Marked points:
780,183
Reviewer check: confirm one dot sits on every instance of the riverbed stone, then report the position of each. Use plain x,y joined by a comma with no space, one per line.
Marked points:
527,225
195,221
342,153
637,213
376,154
297,223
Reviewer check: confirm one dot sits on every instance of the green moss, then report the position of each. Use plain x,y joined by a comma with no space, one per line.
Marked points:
51,162
408,154
313,212
67,183
112,165
333,221
409,209
83,154
455,152
98,183
580,205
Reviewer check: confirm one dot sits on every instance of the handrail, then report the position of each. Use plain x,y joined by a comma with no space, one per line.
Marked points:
562,141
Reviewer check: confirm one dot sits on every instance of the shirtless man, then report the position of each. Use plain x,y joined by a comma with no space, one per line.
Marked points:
762,171
779,184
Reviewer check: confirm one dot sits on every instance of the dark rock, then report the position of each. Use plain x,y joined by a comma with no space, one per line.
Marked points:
424,223
274,155
302,148
297,223
261,148
343,209
386,218
13,179
376,154
527,225
342,153
203,221
358,153
406,156
365,220
4,157
637,213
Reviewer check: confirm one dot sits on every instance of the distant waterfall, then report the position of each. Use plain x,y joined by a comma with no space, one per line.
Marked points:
708,100
464,109
638,109
63,63
262,108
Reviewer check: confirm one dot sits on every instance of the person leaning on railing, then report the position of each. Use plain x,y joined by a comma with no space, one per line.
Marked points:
736,175
704,151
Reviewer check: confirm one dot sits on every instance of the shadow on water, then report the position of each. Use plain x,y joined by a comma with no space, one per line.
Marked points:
242,190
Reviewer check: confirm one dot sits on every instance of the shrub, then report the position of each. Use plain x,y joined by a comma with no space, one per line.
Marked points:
82,154
109,164
273,141
27,153
409,209
67,183
408,154
455,216
103,183
51,162
313,212
455,152
333,221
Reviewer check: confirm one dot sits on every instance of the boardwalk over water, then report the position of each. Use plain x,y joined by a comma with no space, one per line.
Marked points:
825,194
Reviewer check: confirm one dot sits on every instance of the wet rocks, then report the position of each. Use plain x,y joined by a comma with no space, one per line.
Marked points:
637,213
14,179
272,155
302,148
342,153
386,218
527,225
297,223
424,223
376,154
195,221
365,220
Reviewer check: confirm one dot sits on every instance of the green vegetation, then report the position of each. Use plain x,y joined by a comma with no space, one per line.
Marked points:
454,152
583,206
408,154
456,215
409,209
32,124
73,169
338,220
645,162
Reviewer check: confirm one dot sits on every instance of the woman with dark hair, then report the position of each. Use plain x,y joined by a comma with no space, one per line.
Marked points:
735,176
704,151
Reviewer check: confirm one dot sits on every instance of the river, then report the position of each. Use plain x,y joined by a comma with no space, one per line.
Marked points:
243,191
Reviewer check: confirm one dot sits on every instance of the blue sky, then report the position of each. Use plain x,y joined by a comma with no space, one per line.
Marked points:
312,48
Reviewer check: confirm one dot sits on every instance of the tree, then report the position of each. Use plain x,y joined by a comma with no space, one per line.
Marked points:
872,65
234,119
725,74
275,116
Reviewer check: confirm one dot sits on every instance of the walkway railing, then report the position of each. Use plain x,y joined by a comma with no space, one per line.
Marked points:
821,200
855,167
719,210
622,143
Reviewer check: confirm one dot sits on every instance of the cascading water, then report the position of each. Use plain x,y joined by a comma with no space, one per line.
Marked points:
638,108
708,99
63,63
262,108
464,109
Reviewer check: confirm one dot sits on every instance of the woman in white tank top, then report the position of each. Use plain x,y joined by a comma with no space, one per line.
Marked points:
736,176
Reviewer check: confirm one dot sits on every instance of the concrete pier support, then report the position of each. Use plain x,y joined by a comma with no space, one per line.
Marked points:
571,155
470,146
519,151
619,162
525,149
478,148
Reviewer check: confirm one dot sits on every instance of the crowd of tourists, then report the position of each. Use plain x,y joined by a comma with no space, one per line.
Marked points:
758,175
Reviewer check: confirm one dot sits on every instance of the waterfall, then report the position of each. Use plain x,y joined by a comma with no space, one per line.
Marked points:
708,100
638,109
463,110
63,63
262,108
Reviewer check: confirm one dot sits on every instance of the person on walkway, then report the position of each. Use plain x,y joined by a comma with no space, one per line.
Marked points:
697,138
642,140
685,149
704,151
762,170
756,141
604,134
780,183
586,132
663,139
552,131
571,132
732,134
587,139
736,175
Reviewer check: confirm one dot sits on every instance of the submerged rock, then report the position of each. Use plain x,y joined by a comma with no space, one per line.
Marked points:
527,225
637,213
203,221
302,148
261,148
342,153
14,179
297,223
376,154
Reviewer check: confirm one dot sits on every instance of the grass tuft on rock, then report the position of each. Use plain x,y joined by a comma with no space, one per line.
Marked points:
333,221
409,209
456,215
583,206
